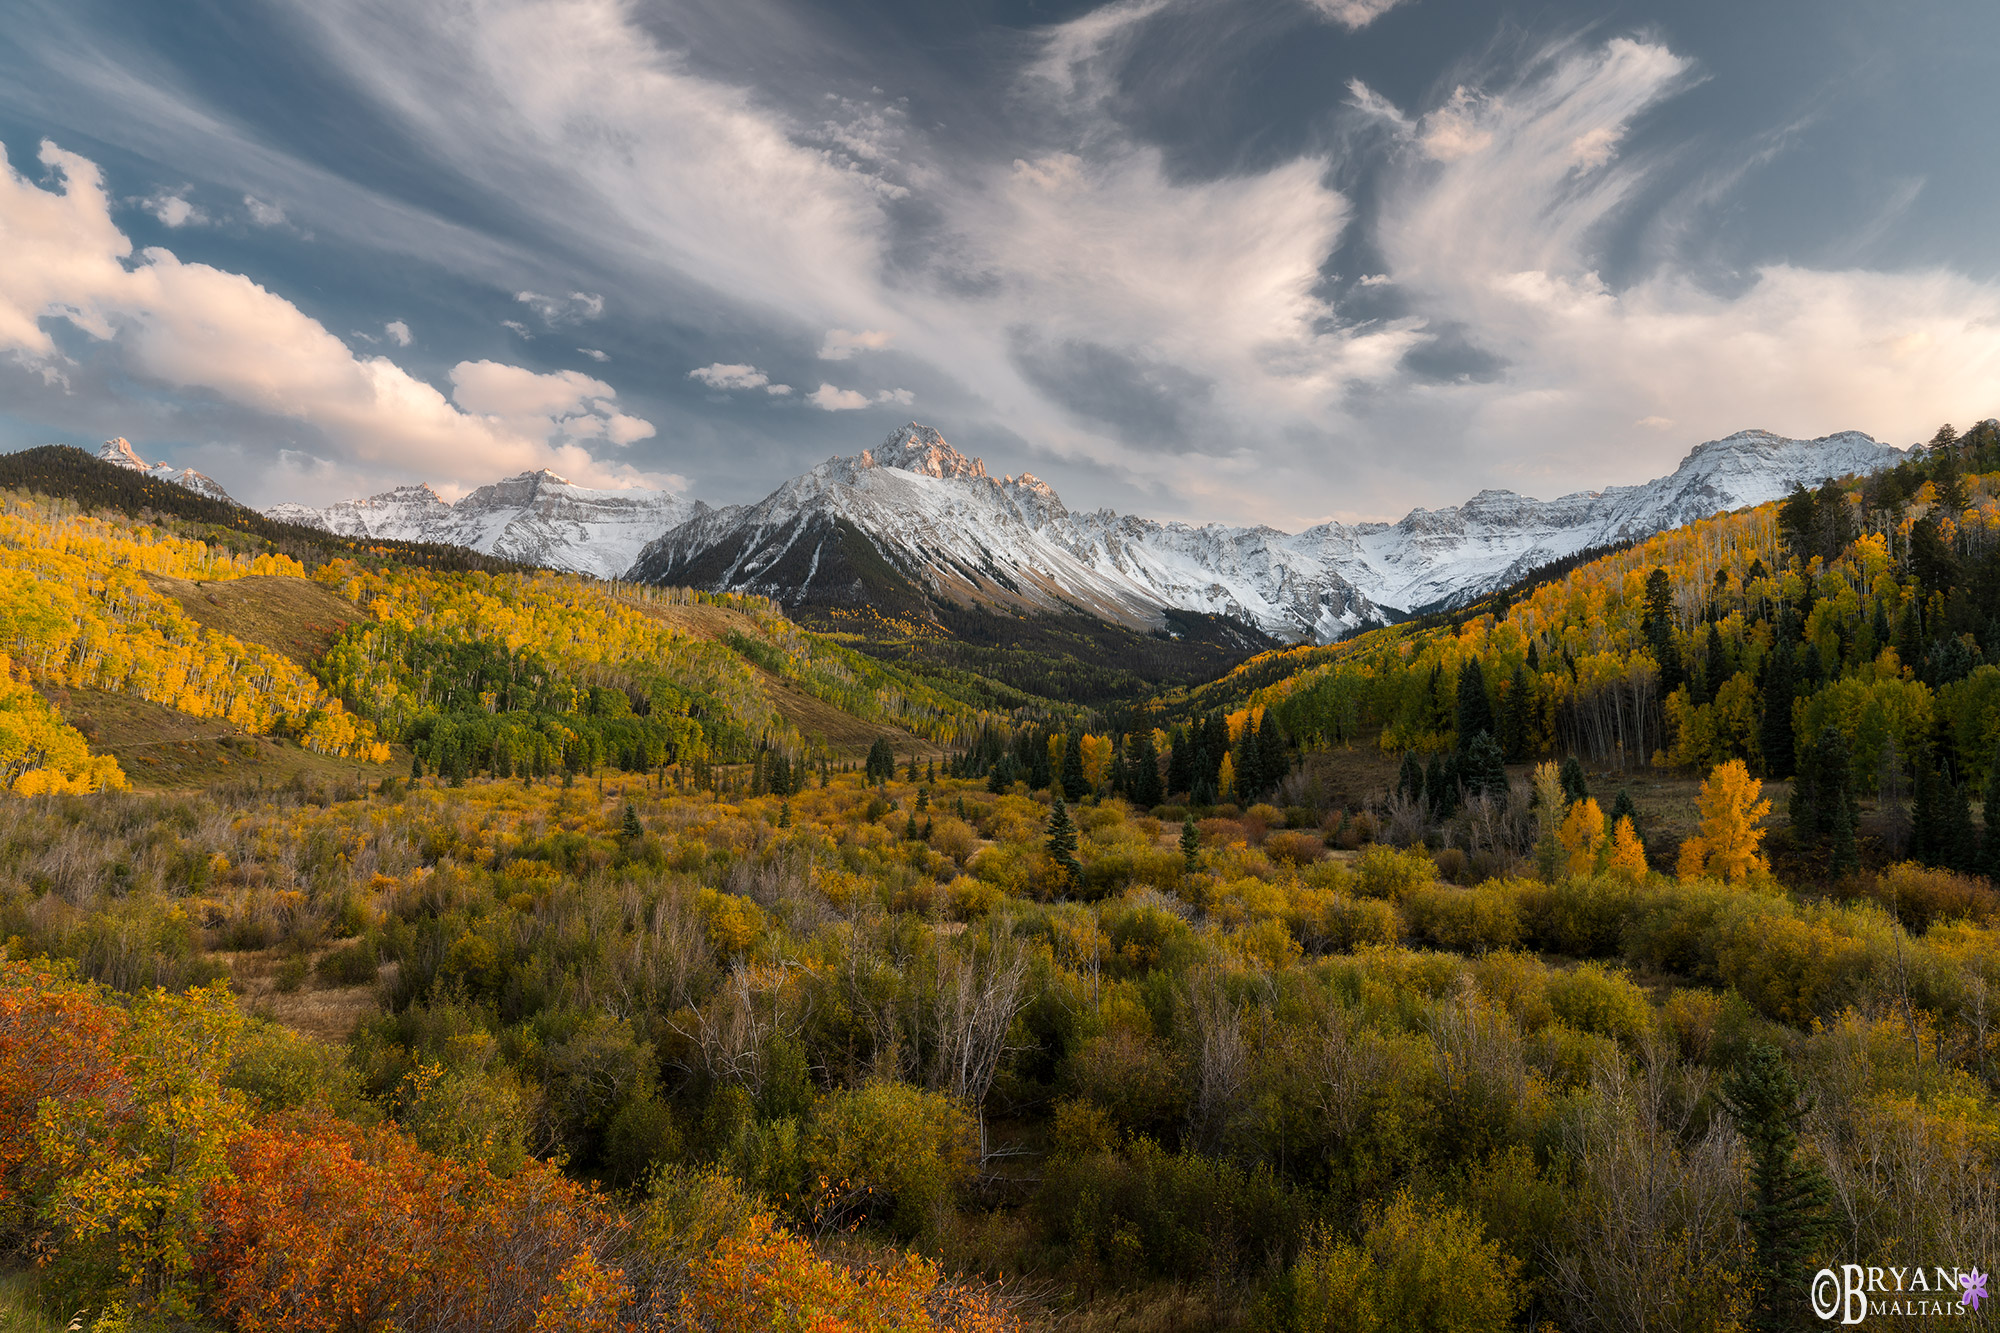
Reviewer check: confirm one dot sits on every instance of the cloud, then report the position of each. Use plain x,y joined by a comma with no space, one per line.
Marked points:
263,214
829,399
842,344
194,328
778,390
173,209
594,354
557,311
720,376
1354,14
515,326
397,332
901,397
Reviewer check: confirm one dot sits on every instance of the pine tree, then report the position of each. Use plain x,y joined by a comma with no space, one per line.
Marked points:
785,815
1410,778
1273,753
1622,807
1989,847
632,828
1484,770
1958,844
1574,787
1774,733
1074,787
1516,715
1180,762
1061,844
1475,711
1792,1209
1190,844
1659,626
1715,666
910,827
1142,770
910,774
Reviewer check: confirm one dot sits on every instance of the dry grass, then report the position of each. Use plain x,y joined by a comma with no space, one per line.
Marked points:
296,617
164,750
315,1009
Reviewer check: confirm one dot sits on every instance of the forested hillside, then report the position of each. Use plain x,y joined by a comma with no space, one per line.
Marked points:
1613,955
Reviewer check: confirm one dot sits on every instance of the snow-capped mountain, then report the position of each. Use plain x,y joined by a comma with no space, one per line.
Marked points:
121,453
537,518
917,511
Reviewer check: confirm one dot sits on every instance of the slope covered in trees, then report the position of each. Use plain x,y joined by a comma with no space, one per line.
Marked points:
659,1015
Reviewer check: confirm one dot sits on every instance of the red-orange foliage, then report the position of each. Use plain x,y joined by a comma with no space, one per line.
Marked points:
57,1040
329,1228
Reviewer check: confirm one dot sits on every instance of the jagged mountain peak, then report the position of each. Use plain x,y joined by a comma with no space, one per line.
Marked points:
119,452
921,449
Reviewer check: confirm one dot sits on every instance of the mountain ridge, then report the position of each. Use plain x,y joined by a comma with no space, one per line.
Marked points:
955,532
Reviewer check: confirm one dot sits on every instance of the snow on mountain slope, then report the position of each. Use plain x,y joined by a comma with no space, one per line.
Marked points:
537,518
121,453
918,507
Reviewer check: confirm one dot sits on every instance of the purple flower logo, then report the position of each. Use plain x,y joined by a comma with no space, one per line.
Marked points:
1975,1290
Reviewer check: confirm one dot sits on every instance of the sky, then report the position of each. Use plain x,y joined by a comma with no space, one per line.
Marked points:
1247,261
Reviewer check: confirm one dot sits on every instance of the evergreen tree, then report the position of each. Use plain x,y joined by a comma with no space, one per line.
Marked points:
632,829
910,775
1180,762
1062,844
910,828
1792,1208
1958,843
1074,786
881,764
1989,846
1534,657
1623,808
1659,627
1039,776
1715,665
1774,732
1484,770
1823,809
785,815
1142,769
1410,778
1273,753
1475,711
1926,814
1574,787
1516,717
1247,762
1190,843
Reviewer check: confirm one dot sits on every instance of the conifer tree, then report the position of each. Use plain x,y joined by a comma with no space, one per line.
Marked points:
632,828
1484,770
1989,847
1792,1206
1622,807
1142,769
1180,762
1190,843
1061,843
1272,752
1774,733
1475,712
1574,786
1074,786
1659,626
1516,716
1715,665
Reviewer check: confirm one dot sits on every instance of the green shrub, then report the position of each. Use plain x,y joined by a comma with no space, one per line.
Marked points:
1419,1268
902,1152
1592,999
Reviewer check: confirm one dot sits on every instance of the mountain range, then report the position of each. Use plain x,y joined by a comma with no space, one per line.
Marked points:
917,510
536,518
913,522
120,453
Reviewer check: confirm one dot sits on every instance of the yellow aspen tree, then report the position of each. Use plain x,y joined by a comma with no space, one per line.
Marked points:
1225,781
1582,837
1628,855
1727,846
